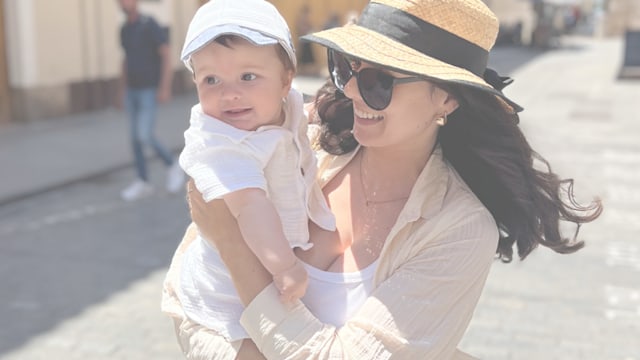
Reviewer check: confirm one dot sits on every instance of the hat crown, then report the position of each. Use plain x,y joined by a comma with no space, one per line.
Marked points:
471,20
217,17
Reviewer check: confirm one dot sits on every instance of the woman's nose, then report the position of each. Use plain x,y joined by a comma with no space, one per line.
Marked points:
351,89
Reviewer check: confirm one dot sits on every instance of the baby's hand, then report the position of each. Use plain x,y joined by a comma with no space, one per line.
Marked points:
292,282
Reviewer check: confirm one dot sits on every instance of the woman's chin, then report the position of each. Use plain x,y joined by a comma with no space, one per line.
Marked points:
362,136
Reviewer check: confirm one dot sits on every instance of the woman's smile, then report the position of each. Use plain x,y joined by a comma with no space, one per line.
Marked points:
366,118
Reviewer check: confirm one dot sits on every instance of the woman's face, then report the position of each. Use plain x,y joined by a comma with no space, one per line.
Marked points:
409,120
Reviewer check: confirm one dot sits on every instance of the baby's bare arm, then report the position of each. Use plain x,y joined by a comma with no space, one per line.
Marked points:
292,282
261,228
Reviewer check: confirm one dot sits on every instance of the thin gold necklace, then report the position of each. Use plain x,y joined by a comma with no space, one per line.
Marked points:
364,189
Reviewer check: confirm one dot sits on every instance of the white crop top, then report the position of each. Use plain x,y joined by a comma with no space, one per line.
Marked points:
334,297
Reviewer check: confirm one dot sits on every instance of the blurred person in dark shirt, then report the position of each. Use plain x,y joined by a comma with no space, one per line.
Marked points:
145,82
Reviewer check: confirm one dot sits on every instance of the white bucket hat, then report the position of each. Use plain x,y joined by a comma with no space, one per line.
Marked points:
258,21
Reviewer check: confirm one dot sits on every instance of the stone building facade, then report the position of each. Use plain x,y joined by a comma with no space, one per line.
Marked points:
620,16
60,57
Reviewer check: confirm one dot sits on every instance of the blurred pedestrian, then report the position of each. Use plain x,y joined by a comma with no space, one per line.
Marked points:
352,17
145,81
306,58
332,21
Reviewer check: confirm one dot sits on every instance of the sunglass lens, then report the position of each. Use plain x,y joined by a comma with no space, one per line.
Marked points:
341,70
375,87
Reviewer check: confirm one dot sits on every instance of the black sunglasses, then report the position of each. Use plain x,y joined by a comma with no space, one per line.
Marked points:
375,85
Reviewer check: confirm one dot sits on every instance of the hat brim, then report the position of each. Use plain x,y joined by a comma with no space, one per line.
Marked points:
378,49
208,35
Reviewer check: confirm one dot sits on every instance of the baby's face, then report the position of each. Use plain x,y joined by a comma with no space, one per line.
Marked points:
241,84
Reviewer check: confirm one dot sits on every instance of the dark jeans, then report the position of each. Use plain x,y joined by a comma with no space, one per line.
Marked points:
141,105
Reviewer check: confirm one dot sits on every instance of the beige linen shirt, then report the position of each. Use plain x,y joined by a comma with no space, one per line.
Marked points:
430,275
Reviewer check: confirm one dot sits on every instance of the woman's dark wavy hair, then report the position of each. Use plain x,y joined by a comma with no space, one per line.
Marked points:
484,144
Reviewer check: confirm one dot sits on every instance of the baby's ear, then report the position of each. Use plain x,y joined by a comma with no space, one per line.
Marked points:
192,69
193,76
288,80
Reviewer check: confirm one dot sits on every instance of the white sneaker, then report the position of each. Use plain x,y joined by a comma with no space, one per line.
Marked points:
137,190
175,178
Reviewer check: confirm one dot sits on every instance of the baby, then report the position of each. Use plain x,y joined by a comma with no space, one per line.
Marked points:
247,145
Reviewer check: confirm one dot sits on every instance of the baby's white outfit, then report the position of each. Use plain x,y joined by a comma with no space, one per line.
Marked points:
222,159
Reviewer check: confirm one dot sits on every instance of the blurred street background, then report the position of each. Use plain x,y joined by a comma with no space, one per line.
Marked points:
81,270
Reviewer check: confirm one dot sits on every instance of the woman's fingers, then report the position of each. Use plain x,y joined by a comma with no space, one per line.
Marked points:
197,205
213,218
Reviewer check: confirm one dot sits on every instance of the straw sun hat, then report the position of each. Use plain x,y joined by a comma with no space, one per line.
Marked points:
447,40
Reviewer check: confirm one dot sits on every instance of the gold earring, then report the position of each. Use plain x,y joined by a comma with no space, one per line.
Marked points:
442,120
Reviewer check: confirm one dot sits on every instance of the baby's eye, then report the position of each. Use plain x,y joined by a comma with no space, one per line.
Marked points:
211,80
248,77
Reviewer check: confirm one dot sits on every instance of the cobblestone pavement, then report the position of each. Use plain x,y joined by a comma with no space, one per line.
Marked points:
83,271
126,326
584,305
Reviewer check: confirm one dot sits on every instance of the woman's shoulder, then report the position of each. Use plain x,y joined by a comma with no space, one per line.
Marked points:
460,193
462,207
457,217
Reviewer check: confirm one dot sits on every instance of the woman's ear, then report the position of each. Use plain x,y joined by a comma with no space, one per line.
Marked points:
450,104
444,101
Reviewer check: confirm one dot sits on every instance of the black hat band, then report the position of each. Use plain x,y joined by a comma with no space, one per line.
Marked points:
424,37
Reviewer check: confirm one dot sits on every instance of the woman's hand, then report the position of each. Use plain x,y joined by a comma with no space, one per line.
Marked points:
213,219
217,225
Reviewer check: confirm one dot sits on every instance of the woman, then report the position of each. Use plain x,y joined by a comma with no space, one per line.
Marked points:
429,177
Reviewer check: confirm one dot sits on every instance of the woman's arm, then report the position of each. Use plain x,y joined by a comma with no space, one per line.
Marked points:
196,341
200,343
420,310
